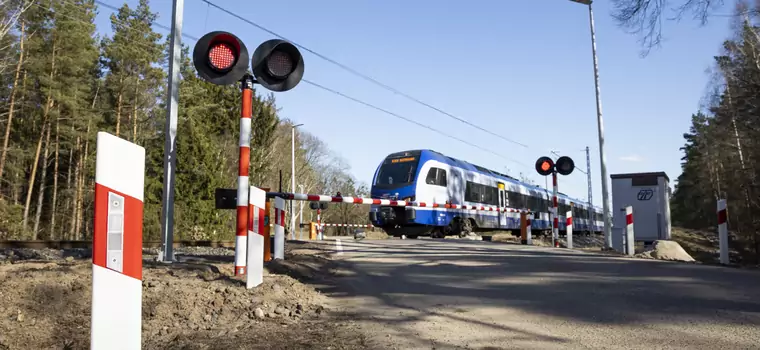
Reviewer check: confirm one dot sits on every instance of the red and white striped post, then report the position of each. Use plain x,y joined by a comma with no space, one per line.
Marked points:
117,244
723,231
279,229
319,224
255,248
569,229
630,244
555,210
528,234
241,232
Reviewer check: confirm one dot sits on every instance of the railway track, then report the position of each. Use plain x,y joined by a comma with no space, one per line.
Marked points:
41,244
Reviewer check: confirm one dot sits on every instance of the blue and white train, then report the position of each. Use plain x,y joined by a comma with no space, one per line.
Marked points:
431,177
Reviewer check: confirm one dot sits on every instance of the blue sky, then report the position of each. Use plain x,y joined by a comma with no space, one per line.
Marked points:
522,69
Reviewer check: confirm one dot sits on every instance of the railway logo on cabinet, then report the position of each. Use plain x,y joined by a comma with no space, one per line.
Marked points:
645,195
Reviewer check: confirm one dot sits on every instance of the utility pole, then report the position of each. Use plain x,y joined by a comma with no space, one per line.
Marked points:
588,176
170,134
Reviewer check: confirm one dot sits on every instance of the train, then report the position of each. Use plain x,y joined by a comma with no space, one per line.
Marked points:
428,176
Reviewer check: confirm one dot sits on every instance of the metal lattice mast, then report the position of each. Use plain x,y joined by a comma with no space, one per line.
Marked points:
588,175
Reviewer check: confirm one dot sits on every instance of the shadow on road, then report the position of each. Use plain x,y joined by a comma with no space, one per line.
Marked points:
471,283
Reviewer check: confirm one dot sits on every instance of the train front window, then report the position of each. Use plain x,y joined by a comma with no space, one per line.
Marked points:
396,172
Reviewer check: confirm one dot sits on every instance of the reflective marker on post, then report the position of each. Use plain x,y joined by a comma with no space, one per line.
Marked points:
629,238
279,229
569,229
255,260
117,244
723,231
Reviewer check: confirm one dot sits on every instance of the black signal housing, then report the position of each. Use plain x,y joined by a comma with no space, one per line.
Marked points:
220,75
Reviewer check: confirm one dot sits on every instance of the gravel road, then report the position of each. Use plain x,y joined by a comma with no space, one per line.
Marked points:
423,294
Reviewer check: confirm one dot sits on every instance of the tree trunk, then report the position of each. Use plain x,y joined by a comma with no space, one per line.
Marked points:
53,206
43,177
75,199
134,114
48,104
118,107
12,104
82,178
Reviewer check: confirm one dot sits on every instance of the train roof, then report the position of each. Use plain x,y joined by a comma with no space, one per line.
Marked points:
485,171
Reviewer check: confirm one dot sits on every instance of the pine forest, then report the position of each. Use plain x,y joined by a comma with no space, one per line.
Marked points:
62,83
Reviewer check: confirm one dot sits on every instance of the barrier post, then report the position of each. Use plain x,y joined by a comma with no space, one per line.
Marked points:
523,228
241,231
117,244
255,249
569,229
629,237
723,231
267,235
319,225
555,211
528,233
279,229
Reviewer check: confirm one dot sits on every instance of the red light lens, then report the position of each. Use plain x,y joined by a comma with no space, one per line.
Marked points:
221,56
280,64
545,166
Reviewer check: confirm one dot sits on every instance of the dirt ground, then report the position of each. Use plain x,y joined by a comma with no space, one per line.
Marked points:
192,304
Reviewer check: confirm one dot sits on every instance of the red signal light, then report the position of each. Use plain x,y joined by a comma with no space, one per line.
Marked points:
221,56
544,166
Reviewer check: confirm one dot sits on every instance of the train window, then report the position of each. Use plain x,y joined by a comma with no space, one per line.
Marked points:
430,179
478,193
441,178
436,177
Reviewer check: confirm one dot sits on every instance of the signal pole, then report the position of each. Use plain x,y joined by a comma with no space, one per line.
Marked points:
170,134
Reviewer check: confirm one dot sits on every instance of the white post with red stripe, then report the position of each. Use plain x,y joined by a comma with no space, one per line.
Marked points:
117,244
630,244
255,248
241,231
569,229
279,229
723,231
528,234
555,210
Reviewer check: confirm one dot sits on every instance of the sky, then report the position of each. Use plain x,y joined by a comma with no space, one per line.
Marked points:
520,69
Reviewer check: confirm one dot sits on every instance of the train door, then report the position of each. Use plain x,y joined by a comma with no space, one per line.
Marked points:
503,203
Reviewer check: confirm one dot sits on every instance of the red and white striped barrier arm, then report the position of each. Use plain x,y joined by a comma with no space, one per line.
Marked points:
279,229
255,245
348,225
386,202
723,231
241,231
117,244
569,229
629,233
555,210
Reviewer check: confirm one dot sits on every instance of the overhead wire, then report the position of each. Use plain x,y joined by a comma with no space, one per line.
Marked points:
361,75
341,94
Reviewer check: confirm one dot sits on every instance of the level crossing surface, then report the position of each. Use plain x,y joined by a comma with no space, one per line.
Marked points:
451,294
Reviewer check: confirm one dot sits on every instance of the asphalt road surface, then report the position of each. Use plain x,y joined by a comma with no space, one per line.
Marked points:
452,294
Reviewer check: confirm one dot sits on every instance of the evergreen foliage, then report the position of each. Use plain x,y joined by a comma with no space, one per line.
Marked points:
61,84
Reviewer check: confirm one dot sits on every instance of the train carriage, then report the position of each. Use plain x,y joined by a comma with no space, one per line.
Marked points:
431,177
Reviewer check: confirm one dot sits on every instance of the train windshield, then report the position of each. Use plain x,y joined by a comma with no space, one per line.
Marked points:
396,172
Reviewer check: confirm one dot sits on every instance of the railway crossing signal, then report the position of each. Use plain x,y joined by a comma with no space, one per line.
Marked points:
221,58
317,205
546,166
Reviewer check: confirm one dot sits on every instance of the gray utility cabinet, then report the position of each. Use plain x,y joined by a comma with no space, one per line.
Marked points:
649,195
